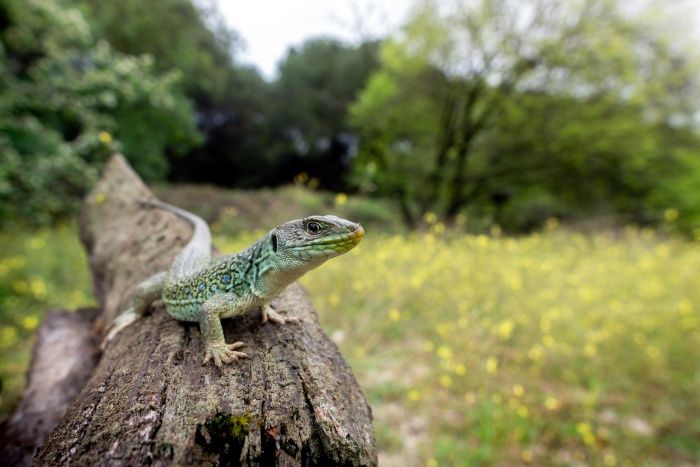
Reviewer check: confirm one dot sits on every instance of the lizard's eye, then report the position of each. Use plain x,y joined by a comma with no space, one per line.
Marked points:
313,228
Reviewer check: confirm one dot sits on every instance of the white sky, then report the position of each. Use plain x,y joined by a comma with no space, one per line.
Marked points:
270,27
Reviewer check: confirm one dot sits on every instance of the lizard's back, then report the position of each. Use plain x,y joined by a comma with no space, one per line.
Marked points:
184,297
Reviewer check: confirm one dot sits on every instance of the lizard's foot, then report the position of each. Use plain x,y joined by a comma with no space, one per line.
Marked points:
223,352
269,313
119,323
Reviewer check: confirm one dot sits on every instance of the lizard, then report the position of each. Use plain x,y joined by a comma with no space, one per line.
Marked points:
197,288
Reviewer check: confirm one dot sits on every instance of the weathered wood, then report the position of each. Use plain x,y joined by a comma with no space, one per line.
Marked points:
294,402
63,358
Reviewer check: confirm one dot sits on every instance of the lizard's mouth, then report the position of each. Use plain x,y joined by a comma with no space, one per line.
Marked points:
335,244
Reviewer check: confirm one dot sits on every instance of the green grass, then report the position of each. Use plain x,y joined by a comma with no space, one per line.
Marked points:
556,348
232,212
39,270
552,349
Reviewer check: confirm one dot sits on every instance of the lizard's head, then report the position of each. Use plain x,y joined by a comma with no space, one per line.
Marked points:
315,239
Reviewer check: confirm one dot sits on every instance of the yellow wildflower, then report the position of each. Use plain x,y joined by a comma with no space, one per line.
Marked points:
341,199
104,137
30,322
552,403
671,214
444,352
445,381
586,433
492,365
394,315
430,217
38,288
505,329
609,458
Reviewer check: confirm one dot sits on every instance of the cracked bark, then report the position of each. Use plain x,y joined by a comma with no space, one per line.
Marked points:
149,400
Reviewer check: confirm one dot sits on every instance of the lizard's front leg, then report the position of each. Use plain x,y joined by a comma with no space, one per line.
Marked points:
212,332
269,313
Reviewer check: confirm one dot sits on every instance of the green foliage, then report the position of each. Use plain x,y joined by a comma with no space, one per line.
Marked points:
317,83
309,105
67,100
476,107
176,35
231,212
675,199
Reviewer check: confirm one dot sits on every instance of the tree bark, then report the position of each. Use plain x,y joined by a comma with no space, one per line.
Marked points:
63,358
149,400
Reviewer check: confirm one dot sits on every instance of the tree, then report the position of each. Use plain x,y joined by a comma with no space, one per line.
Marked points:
442,120
230,99
178,37
309,106
67,100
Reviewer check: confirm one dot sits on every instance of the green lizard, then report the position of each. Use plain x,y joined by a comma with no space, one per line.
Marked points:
199,289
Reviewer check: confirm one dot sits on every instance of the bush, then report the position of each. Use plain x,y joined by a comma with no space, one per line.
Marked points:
68,100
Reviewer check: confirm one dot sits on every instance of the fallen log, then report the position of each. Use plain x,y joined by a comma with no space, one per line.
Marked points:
150,400
62,360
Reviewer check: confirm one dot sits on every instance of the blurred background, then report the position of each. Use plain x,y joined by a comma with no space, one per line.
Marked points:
528,173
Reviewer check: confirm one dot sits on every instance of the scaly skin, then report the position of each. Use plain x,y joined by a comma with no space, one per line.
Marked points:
199,290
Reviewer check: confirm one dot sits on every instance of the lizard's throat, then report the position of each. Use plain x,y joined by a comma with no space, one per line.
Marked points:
275,280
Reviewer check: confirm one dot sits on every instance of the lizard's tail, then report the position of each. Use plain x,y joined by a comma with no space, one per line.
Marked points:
197,253
193,218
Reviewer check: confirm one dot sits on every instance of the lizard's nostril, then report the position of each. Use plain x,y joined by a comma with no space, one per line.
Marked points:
359,231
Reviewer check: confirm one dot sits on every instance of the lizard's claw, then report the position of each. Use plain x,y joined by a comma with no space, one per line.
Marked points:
119,323
225,353
269,314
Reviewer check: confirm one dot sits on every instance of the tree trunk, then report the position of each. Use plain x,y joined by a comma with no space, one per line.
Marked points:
149,400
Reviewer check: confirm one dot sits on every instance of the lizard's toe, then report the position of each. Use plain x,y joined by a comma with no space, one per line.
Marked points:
207,357
227,357
217,360
231,356
277,318
236,345
224,353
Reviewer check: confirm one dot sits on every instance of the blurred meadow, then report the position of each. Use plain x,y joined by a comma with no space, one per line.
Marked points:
528,174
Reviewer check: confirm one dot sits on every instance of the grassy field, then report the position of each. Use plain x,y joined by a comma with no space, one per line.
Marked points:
551,349
39,270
